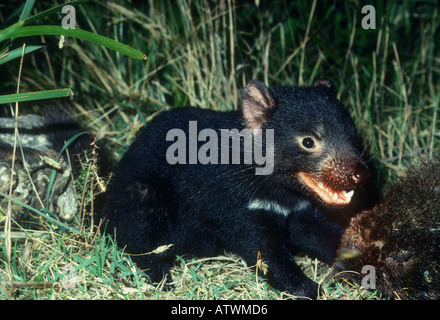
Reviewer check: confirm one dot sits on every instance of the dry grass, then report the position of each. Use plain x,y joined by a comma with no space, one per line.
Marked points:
52,265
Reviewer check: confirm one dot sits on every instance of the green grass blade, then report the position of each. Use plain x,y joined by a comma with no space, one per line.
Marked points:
50,11
27,9
79,34
45,216
16,53
38,95
9,32
54,172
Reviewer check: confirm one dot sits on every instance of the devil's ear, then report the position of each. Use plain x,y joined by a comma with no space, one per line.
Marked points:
258,104
326,84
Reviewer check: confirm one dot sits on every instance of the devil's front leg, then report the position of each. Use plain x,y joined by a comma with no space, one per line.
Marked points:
268,236
311,232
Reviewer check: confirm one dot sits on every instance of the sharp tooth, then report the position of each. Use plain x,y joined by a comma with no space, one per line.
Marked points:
349,194
334,196
320,185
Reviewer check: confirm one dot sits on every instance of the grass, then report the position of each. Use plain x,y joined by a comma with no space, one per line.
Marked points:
202,53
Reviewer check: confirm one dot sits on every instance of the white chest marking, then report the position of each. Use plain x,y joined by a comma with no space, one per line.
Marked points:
258,204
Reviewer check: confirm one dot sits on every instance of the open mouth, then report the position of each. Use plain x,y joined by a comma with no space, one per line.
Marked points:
324,192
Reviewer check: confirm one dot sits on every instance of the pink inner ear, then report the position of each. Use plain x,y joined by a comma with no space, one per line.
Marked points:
254,119
258,104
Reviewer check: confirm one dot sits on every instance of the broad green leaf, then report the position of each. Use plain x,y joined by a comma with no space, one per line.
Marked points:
75,33
38,95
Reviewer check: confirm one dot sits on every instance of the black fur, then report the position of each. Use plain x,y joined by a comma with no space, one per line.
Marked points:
204,209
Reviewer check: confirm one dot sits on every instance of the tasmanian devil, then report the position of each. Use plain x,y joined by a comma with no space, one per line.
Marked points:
250,182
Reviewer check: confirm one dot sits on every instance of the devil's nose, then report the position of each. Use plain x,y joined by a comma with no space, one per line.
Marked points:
360,174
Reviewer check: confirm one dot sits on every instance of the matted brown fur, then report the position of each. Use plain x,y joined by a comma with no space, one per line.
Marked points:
400,237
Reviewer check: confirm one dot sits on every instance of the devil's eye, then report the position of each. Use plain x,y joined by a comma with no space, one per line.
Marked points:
308,143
